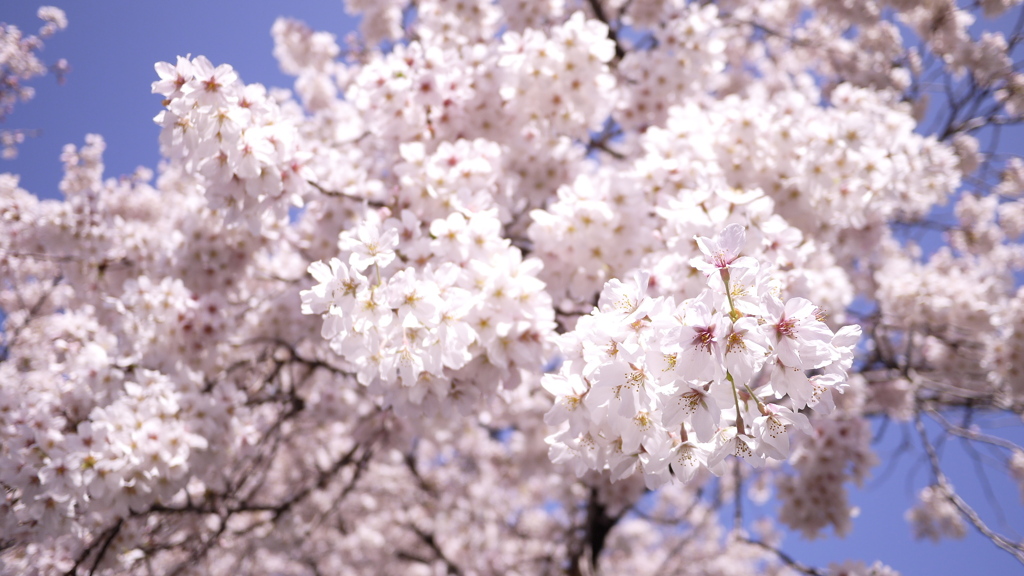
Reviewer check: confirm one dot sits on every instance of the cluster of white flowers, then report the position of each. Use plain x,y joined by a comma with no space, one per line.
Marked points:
596,230
815,498
432,315
18,59
457,21
460,176
310,56
412,92
935,517
561,78
665,389
687,60
79,467
20,63
234,137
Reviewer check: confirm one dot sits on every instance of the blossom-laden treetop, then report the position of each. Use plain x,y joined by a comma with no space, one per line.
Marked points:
531,287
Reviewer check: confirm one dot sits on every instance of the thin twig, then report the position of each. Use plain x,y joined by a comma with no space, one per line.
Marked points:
106,545
786,558
325,192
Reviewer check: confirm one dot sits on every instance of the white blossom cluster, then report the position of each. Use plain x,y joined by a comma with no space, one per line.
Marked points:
106,411
459,322
233,136
839,447
935,517
686,62
19,62
532,93
653,387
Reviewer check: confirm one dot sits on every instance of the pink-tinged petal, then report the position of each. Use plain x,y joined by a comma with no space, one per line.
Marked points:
799,308
744,262
732,238
847,336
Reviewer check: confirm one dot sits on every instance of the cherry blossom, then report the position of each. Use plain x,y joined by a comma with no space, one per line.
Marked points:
525,287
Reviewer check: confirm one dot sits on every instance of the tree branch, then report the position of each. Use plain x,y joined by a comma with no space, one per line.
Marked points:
786,558
1014,548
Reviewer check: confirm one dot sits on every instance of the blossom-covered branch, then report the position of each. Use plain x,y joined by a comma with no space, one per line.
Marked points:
521,288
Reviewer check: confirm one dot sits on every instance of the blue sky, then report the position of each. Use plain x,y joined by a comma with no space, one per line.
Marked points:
112,46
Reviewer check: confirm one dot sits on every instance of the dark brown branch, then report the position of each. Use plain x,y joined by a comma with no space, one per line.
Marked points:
325,192
106,545
431,542
597,526
103,541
